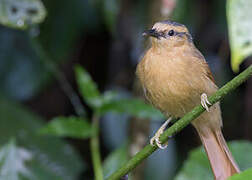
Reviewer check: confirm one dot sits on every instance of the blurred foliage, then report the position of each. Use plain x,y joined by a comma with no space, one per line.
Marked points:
184,12
115,160
109,101
197,166
247,174
51,158
88,88
75,127
111,10
24,153
239,16
22,75
12,162
79,127
134,107
20,64
21,13
64,25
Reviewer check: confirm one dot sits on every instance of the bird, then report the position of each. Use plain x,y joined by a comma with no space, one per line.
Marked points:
175,78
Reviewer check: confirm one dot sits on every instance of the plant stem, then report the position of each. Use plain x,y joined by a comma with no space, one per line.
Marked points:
180,124
95,153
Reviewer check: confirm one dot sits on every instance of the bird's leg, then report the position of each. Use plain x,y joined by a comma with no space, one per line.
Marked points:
204,101
157,135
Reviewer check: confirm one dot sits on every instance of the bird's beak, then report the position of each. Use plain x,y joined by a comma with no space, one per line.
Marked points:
151,32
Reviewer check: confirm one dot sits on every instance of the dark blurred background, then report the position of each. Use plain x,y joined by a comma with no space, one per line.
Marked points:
105,38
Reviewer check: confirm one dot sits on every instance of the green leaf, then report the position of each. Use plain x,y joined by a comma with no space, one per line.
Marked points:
109,101
242,152
88,88
115,160
52,158
74,127
239,16
134,107
21,13
12,162
247,174
197,166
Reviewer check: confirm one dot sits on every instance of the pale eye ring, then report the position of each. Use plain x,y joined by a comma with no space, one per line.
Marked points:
171,33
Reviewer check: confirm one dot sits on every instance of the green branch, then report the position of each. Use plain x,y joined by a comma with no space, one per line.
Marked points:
95,153
180,124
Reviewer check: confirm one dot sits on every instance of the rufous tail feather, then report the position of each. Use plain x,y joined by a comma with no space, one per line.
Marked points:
222,163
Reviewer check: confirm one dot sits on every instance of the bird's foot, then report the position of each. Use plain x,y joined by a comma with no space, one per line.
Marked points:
155,138
204,101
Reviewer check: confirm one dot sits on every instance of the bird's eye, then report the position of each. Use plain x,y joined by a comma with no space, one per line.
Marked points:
171,33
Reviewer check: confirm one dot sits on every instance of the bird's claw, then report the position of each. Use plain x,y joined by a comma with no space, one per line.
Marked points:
157,135
205,102
156,140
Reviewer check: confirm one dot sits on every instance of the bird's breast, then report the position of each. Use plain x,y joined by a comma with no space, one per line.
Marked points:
172,83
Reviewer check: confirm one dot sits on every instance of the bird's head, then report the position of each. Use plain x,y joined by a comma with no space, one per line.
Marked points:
168,34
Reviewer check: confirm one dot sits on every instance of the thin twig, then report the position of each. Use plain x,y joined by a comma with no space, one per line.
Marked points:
95,153
76,102
64,84
180,124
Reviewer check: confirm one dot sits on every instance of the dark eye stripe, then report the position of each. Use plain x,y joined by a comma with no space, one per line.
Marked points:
188,36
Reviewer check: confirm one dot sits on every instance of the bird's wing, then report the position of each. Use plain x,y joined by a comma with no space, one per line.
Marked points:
197,54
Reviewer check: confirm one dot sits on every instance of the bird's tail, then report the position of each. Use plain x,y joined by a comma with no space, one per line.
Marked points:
222,163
